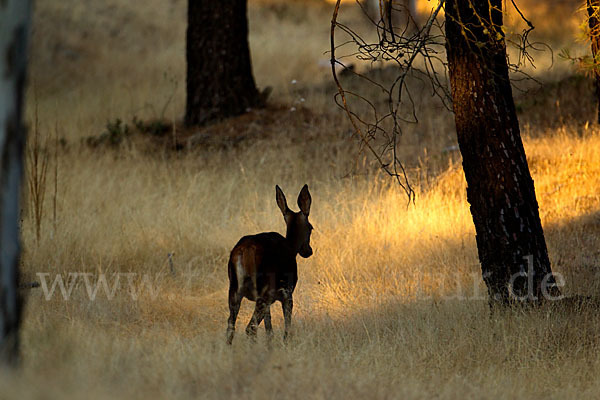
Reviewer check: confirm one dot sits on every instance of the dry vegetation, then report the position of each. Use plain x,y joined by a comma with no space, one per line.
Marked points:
376,313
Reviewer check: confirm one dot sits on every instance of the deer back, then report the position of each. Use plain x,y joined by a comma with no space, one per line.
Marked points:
263,264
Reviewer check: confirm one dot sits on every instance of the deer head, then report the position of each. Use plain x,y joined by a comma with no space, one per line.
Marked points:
298,228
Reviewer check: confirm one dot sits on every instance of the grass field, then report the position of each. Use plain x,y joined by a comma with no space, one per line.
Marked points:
391,305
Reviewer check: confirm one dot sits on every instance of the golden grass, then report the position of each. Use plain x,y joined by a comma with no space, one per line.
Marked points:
390,305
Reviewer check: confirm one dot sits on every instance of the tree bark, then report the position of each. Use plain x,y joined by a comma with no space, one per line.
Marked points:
219,72
593,7
14,24
500,190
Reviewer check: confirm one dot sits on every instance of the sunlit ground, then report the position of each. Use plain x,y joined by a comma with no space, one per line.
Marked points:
391,305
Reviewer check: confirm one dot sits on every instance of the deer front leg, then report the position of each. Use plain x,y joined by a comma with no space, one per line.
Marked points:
268,326
287,303
257,317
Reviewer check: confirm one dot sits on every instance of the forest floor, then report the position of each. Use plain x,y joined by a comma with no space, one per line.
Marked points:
391,304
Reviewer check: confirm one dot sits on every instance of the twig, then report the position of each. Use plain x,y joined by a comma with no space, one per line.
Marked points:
171,266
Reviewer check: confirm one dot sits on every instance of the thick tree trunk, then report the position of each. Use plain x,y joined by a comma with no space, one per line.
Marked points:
219,72
593,7
510,239
14,33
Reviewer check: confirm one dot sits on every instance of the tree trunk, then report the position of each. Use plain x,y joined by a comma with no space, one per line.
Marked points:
14,20
593,7
395,18
510,240
219,72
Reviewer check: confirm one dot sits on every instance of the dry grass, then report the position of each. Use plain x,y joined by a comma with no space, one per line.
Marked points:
377,313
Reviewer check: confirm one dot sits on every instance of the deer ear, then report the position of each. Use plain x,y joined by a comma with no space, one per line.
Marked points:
281,202
304,200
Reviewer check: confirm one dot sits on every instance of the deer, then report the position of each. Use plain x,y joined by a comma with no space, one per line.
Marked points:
263,268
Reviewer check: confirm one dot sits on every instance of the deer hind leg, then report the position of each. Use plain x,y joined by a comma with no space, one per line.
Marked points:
257,317
234,307
270,296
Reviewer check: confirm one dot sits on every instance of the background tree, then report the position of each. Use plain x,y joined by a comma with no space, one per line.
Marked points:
400,15
510,240
14,32
219,72
593,8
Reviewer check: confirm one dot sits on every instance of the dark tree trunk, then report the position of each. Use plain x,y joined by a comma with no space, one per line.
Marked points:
219,72
593,7
510,239
14,19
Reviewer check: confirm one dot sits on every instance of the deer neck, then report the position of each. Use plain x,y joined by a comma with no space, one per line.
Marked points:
293,242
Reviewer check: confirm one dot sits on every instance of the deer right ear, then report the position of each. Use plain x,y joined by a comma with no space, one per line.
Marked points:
304,200
281,202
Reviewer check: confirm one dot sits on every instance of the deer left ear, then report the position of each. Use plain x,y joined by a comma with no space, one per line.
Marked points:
304,200
281,202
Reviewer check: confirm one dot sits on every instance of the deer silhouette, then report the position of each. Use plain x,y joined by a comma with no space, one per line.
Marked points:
262,267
